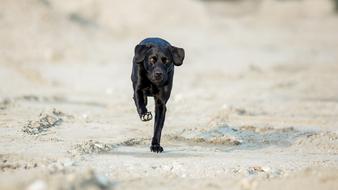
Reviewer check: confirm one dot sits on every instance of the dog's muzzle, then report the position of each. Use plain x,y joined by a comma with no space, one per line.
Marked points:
158,76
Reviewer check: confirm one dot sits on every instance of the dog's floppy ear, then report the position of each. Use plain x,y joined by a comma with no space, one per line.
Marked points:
140,52
177,54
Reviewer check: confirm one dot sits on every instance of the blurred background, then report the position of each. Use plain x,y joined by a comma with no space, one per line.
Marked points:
213,32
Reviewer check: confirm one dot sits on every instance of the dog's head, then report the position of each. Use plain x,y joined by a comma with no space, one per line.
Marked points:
158,61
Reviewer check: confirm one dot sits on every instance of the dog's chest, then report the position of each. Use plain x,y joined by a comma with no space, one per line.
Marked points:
150,90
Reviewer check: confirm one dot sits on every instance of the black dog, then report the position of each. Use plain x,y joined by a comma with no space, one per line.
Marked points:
152,75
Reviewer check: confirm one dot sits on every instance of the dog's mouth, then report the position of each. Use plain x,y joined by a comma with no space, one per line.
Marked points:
158,80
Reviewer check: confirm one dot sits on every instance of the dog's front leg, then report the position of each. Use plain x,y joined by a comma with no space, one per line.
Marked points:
160,111
140,102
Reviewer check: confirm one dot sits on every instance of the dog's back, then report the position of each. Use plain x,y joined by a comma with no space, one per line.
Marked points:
155,41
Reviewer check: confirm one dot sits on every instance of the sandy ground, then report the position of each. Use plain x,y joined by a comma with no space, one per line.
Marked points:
254,106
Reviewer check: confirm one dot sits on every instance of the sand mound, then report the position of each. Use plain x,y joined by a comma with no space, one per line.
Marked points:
93,147
46,120
135,141
218,139
245,136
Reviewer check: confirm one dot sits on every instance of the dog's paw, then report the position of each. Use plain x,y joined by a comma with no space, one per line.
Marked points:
146,116
156,148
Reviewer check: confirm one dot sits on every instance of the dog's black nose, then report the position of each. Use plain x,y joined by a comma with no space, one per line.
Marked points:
158,75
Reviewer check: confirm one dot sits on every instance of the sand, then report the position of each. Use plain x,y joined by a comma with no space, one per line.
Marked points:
254,106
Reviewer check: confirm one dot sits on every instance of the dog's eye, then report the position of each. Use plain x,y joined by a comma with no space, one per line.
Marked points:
165,60
152,60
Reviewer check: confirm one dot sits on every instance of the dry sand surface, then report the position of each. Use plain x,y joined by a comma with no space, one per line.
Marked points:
254,106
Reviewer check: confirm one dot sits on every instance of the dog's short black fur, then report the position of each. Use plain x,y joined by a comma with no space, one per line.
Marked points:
152,75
